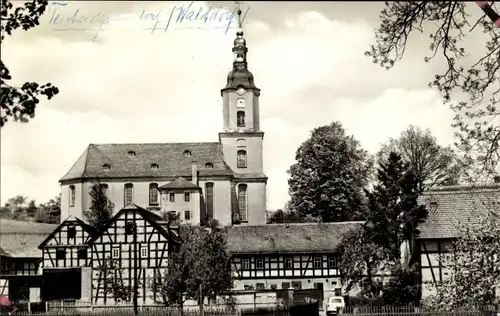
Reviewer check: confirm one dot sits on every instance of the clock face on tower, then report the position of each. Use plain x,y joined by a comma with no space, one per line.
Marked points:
240,91
240,103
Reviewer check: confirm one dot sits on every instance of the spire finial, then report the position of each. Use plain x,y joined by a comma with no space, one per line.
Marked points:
238,11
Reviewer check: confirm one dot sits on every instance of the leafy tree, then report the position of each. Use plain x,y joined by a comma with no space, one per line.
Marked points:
328,178
101,208
473,264
19,102
200,262
431,163
49,212
403,287
113,284
286,216
468,85
32,209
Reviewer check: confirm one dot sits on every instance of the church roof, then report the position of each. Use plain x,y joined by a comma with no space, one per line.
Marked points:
148,160
287,238
180,183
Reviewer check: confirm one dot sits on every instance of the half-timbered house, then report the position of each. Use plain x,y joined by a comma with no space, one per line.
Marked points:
449,207
20,259
66,262
131,250
281,256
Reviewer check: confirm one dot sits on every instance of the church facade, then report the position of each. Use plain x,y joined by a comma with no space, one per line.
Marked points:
221,180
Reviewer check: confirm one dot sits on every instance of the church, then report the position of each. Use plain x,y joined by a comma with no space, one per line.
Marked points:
221,180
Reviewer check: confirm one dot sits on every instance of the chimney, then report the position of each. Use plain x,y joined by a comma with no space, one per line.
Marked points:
194,172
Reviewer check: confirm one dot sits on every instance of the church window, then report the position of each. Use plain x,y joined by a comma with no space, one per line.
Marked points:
243,201
131,153
240,116
172,197
187,196
209,165
209,192
154,166
153,193
128,193
106,167
72,195
242,159
241,142
104,188
187,153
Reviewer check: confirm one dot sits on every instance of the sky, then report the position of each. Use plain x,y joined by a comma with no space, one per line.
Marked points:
129,84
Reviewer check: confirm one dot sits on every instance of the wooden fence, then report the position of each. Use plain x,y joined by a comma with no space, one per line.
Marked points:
418,311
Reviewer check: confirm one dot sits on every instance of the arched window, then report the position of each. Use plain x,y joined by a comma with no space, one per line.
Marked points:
104,188
242,159
153,194
72,195
128,194
209,199
241,142
240,116
243,202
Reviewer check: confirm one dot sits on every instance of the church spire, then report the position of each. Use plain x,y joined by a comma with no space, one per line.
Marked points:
240,76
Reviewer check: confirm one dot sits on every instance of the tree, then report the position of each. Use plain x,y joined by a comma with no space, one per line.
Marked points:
201,262
328,178
474,266
101,208
392,218
470,89
403,287
394,213
431,163
113,284
287,216
49,212
19,102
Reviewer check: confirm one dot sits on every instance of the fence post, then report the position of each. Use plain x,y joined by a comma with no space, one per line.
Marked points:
290,296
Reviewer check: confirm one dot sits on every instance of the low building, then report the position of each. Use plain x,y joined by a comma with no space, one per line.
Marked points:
449,207
281,256
20,259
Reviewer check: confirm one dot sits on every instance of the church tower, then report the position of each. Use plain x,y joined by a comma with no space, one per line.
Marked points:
242,138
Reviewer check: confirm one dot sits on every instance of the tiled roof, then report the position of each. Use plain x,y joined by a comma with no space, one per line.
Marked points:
170,158
3,253
287,238
21,239
452,206
180,183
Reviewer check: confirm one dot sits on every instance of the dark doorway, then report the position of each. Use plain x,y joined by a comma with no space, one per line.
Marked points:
59,284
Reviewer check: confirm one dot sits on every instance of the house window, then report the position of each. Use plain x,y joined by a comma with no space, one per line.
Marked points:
288,263
242,159
72,196
187,196
245,264
260,286
172,197
274,286
153,193
187,215
297,285
209,192
115,253
104,189
259,263
242,201
144,252
338,292
128,193
129,228
240,116
317,263
82,253
71,231
332,262
285,285
60,253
